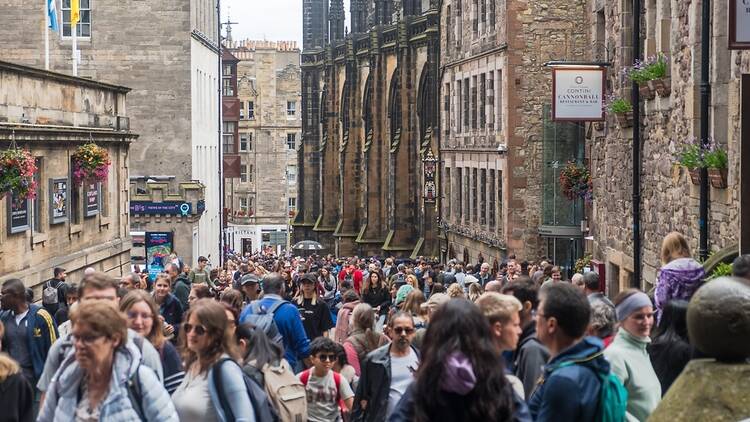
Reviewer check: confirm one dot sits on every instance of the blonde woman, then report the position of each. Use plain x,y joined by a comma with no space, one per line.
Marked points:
475,290
316,316
17,396
680,275
411,280
455,291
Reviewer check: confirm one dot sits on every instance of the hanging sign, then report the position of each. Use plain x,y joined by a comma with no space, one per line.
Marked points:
19,214
578,94
739,24
58,201
92,199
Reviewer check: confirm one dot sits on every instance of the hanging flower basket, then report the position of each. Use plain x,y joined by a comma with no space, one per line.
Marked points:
17,168
661,86
575,182
695,176
718,177
644,89
90,162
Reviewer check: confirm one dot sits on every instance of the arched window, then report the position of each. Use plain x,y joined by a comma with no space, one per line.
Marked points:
367,113
425,108
344,113
394,110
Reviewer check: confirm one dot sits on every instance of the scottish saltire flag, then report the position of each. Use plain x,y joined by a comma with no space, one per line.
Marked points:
52,14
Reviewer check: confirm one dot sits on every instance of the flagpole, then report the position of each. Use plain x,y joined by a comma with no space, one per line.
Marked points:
46,48
75,47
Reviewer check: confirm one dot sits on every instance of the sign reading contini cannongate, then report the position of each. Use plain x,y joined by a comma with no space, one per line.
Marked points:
739,24
578,94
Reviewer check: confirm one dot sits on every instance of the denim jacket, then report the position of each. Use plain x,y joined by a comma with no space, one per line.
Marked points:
62,396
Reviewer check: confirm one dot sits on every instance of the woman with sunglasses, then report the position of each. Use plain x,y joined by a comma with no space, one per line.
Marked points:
213,389
142,316
106,380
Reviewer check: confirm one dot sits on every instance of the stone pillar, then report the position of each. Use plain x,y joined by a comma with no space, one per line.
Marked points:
329,173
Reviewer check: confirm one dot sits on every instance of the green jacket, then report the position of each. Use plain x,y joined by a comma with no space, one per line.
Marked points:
630,362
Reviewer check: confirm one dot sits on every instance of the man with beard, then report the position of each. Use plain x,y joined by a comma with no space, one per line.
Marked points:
387,372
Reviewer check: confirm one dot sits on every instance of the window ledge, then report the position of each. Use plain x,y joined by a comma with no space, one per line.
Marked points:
105,221
38,238
76,228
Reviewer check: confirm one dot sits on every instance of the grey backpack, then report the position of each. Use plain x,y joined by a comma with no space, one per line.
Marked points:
49,294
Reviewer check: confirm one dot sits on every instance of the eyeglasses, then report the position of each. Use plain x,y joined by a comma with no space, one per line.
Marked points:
87,339
403,330
135,315
199,329
327,358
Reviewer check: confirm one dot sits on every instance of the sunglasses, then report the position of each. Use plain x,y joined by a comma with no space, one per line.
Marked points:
403,330
199,329
328,358
87,339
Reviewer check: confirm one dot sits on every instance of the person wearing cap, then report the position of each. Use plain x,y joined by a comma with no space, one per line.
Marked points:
628,356
316,317
250,286
200,275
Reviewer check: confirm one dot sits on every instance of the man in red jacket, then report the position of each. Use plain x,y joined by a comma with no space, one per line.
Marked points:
352,274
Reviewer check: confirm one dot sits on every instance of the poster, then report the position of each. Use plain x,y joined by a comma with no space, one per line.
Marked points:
578,94
739,24
158,248
58,200
19,214
92,199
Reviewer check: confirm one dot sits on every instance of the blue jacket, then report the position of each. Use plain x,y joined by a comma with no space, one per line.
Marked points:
42,332
171,310
571,393
289,323
63,394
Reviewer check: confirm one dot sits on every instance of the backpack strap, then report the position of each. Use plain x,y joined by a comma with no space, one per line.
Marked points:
219,385
337,380
304,377
275,306
135,393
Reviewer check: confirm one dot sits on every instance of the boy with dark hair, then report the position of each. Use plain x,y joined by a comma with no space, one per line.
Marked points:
530,355
570,387
328,393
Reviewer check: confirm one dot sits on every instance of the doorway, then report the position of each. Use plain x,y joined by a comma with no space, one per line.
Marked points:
247,246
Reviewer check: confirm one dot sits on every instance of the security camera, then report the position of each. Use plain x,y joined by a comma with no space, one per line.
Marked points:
502,149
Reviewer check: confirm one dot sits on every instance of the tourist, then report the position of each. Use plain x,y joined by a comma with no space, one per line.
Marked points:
375,293
201,275
364,338
199,291
316,317
325,388
130,281
291,288
484,275
170,308
570,387
577,280
203,394
232,297
413,306
53,291
30,330
250,285
670,348
286,317
351,300
680,275
142,316
17,398
627,354
180,284
475,290
592,289
61,316
98,287
603,322
343,367
459,378
96,384
329,286
387,372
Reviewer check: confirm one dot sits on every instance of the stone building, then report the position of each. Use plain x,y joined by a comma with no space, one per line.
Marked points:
669,201
499,147
263,198
167,52
369,123
67,225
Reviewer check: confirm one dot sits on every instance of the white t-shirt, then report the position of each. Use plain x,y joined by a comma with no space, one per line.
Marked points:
322,400
402,374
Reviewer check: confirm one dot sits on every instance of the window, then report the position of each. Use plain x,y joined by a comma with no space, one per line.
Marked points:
291,141
482,196
447,108
243,205
447,192
250,110
466,104
499,100
474,197
243,173
492,205
459,194
448,28
228,137
246,142
291,108
228,89
242,110
83,28
492,15
227,70
292,205
291,174
482,97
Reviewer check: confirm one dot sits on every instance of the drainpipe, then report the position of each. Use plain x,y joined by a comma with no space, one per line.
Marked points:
636,149
705,99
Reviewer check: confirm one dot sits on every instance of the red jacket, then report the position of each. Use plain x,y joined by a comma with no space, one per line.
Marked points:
356,277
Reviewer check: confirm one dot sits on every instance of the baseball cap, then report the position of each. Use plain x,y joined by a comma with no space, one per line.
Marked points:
249,278
202,259
307,278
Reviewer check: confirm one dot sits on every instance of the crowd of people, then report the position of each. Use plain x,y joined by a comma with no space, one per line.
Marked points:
320,338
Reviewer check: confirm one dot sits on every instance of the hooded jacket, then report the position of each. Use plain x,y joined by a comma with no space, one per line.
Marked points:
571,393
181,290
341,332
63,394
374,386
678,279
529,359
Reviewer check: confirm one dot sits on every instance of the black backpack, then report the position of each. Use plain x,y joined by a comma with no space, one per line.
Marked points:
264,410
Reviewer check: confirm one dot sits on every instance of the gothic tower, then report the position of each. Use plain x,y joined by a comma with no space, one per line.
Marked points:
314,24
337,20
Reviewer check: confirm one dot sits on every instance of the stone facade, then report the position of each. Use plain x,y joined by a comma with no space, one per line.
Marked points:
51,115
493,95
670,201
264,197
168,53
370,119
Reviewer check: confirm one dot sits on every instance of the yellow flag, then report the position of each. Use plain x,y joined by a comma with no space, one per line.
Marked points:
75,14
